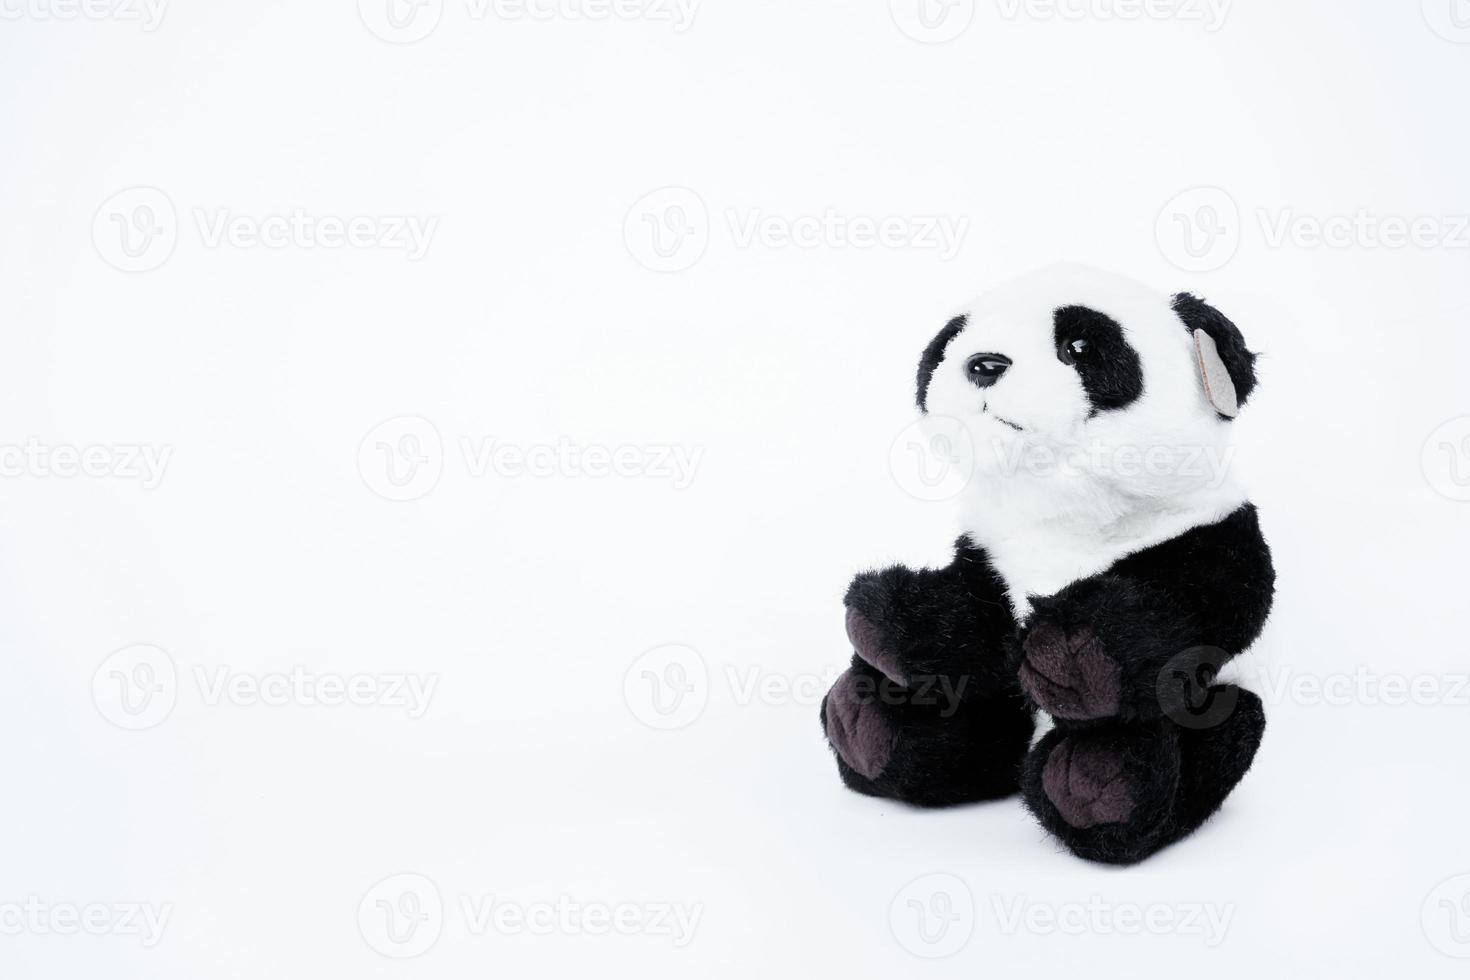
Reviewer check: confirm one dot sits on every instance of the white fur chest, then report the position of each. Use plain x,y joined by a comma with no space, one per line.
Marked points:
1042,535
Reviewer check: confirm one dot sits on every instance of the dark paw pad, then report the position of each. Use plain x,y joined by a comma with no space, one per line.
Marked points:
1087,784
857,728
868,642
1069,675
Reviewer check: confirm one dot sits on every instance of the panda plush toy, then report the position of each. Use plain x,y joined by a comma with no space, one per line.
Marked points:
1108,566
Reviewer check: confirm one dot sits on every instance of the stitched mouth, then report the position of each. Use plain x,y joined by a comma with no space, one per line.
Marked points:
1004,421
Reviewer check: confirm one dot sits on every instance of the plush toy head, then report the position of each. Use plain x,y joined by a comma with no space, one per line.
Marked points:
1076,360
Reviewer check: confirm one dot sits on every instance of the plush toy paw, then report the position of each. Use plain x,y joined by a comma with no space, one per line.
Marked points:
1088,783
870,643
1109,793
1101,649
857,727
1069,674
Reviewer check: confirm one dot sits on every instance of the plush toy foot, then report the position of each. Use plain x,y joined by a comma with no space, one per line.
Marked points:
1088,783
861,734
924,745
869,643
1118,793
1070,675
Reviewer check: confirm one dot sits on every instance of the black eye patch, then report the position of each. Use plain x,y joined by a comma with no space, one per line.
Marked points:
1093,344
933,354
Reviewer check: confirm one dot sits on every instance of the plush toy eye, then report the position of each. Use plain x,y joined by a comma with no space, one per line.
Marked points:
1073,351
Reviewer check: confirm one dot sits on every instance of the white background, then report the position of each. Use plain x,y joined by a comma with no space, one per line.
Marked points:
540,770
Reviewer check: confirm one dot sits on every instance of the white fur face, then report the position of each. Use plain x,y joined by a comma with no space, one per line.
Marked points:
1079,462
1137,417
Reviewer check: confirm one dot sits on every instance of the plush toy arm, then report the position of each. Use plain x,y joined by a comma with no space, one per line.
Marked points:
920,626
929,711
1140,640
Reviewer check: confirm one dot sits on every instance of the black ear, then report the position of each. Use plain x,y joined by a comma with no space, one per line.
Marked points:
1237,360
933,354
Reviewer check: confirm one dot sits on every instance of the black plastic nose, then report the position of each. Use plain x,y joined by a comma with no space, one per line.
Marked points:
986,369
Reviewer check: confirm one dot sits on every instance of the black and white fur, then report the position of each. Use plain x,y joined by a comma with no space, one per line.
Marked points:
1106,597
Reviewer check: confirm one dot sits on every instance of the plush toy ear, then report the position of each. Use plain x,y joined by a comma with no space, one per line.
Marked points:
1227,368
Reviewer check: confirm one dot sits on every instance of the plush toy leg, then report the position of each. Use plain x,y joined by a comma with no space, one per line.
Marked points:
926,744
1117,793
